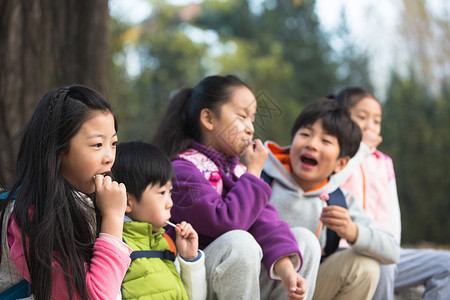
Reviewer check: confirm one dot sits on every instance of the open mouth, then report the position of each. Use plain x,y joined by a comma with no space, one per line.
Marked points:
308,160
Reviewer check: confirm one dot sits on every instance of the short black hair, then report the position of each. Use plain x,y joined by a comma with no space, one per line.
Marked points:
139,164
336,121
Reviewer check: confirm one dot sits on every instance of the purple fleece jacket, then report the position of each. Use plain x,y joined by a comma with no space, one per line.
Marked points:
244,204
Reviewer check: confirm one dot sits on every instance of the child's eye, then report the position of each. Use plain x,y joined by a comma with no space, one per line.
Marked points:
326,141
115,143
98,145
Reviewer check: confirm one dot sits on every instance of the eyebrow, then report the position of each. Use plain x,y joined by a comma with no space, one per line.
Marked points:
366,111
96,135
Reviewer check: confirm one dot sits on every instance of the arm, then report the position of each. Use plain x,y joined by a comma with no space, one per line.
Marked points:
197,202
103,276
371,239
395,225
292,281
276,241
193,275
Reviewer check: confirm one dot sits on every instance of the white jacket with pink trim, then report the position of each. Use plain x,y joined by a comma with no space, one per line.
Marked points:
374,186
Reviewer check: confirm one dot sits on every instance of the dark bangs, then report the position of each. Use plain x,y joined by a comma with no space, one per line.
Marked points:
335,121
139,164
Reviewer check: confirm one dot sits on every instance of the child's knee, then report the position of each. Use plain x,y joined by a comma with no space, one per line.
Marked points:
243,247
367,268
308,243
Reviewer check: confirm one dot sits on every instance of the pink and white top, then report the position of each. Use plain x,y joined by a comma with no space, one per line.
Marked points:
374,186
103,275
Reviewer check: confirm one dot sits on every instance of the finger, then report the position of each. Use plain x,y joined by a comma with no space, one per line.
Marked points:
332,208
98,181
295,296
258,144
250,146
301,287
332,222
107,180
188,231
178,231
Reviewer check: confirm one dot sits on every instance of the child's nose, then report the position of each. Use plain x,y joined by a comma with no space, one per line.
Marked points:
169,203
250,129
312,142
371,125
110,154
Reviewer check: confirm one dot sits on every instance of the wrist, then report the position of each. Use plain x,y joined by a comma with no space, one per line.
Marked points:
354,234
113,225
254,171
283,266
192,258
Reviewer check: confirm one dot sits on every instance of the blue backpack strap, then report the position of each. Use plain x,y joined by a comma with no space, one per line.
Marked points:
336,198
4,195
166,254
19,290
266,178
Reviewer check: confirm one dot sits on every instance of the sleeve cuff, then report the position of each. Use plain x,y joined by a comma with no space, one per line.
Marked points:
115,241
199,256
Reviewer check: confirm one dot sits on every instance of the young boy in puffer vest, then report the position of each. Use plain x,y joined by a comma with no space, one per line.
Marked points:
156,270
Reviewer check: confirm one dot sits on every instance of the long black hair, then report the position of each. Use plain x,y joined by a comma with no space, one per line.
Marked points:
46,208
180,124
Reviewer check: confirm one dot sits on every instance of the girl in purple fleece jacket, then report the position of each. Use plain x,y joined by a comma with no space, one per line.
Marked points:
204,131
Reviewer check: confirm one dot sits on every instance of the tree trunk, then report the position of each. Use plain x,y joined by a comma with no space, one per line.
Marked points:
46,44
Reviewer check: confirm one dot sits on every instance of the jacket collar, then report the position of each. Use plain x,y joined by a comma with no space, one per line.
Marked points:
219,159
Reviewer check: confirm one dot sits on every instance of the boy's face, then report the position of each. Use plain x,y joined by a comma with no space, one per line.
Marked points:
154,207
314,156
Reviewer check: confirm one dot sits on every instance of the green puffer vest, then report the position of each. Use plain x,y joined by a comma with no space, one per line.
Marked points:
150,278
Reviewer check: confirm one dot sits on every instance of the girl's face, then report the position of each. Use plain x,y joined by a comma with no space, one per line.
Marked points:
367,114
154,206
232,129
91,151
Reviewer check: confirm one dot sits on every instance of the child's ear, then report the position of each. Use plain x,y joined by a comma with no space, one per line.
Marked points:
341,163
130,201
206,118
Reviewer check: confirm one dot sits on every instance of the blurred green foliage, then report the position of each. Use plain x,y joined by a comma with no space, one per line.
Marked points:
283,54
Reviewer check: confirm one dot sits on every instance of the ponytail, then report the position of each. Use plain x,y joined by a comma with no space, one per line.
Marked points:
180,124
173,134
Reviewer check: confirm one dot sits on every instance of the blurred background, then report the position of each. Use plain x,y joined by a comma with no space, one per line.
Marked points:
139,52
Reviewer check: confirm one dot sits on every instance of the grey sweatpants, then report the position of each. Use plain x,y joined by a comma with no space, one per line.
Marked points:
416,266
234,269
